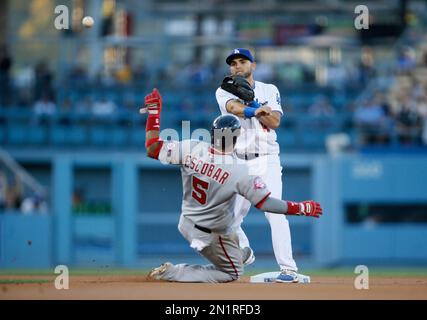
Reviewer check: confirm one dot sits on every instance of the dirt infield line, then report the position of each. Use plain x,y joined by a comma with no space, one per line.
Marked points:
138,287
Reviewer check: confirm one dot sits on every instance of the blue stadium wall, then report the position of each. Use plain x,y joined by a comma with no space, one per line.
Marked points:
145,199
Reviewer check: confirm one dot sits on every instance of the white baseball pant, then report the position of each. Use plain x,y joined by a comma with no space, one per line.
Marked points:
270,170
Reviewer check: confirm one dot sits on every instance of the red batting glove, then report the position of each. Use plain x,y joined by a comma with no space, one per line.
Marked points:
153,102
307,208
310,208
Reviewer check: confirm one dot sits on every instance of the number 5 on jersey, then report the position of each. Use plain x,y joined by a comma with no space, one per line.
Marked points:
199,190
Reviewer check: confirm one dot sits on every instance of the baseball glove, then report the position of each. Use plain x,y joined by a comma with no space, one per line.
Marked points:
238,86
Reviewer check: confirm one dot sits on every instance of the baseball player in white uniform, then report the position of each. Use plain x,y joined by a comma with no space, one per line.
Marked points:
212,177
258,146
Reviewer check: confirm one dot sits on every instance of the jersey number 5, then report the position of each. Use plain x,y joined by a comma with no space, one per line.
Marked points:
199,190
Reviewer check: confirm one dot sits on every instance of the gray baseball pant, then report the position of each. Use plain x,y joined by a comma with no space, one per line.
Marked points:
222,250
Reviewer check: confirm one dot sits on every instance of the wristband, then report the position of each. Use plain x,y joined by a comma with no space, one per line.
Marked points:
249,112
254,104
153,123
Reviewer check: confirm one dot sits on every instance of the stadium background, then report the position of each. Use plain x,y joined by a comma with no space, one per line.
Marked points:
77,189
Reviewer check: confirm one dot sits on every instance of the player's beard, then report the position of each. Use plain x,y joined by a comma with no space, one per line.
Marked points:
246,75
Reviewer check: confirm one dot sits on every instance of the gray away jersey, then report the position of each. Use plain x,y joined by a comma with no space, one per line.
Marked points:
210,183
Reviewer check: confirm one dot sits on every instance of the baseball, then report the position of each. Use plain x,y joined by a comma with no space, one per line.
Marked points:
88,21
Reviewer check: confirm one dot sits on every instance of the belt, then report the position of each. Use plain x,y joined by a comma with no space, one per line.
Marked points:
202,228
247,156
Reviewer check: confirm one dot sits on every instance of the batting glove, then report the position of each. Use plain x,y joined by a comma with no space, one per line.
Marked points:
153,102
310,208
307,208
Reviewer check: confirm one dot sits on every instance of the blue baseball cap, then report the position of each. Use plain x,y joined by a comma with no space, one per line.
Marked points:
239,52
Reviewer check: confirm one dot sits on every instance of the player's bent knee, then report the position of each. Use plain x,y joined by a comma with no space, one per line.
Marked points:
234,277
180,229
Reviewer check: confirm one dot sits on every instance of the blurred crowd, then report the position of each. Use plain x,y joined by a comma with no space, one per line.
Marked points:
40,88
398,114
14,198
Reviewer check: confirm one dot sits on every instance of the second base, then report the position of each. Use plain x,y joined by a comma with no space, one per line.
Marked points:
270,277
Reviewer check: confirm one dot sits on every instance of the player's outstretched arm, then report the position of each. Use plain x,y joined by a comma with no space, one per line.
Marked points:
153,105
307,208
254,189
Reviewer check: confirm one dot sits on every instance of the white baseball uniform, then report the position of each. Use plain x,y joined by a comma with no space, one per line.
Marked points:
211,182
257,139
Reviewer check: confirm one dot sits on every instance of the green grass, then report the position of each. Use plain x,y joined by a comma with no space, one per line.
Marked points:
75,271
25,272
21,281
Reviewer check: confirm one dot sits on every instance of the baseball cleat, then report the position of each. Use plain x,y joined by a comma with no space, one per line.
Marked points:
157,273
248,256
287,276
